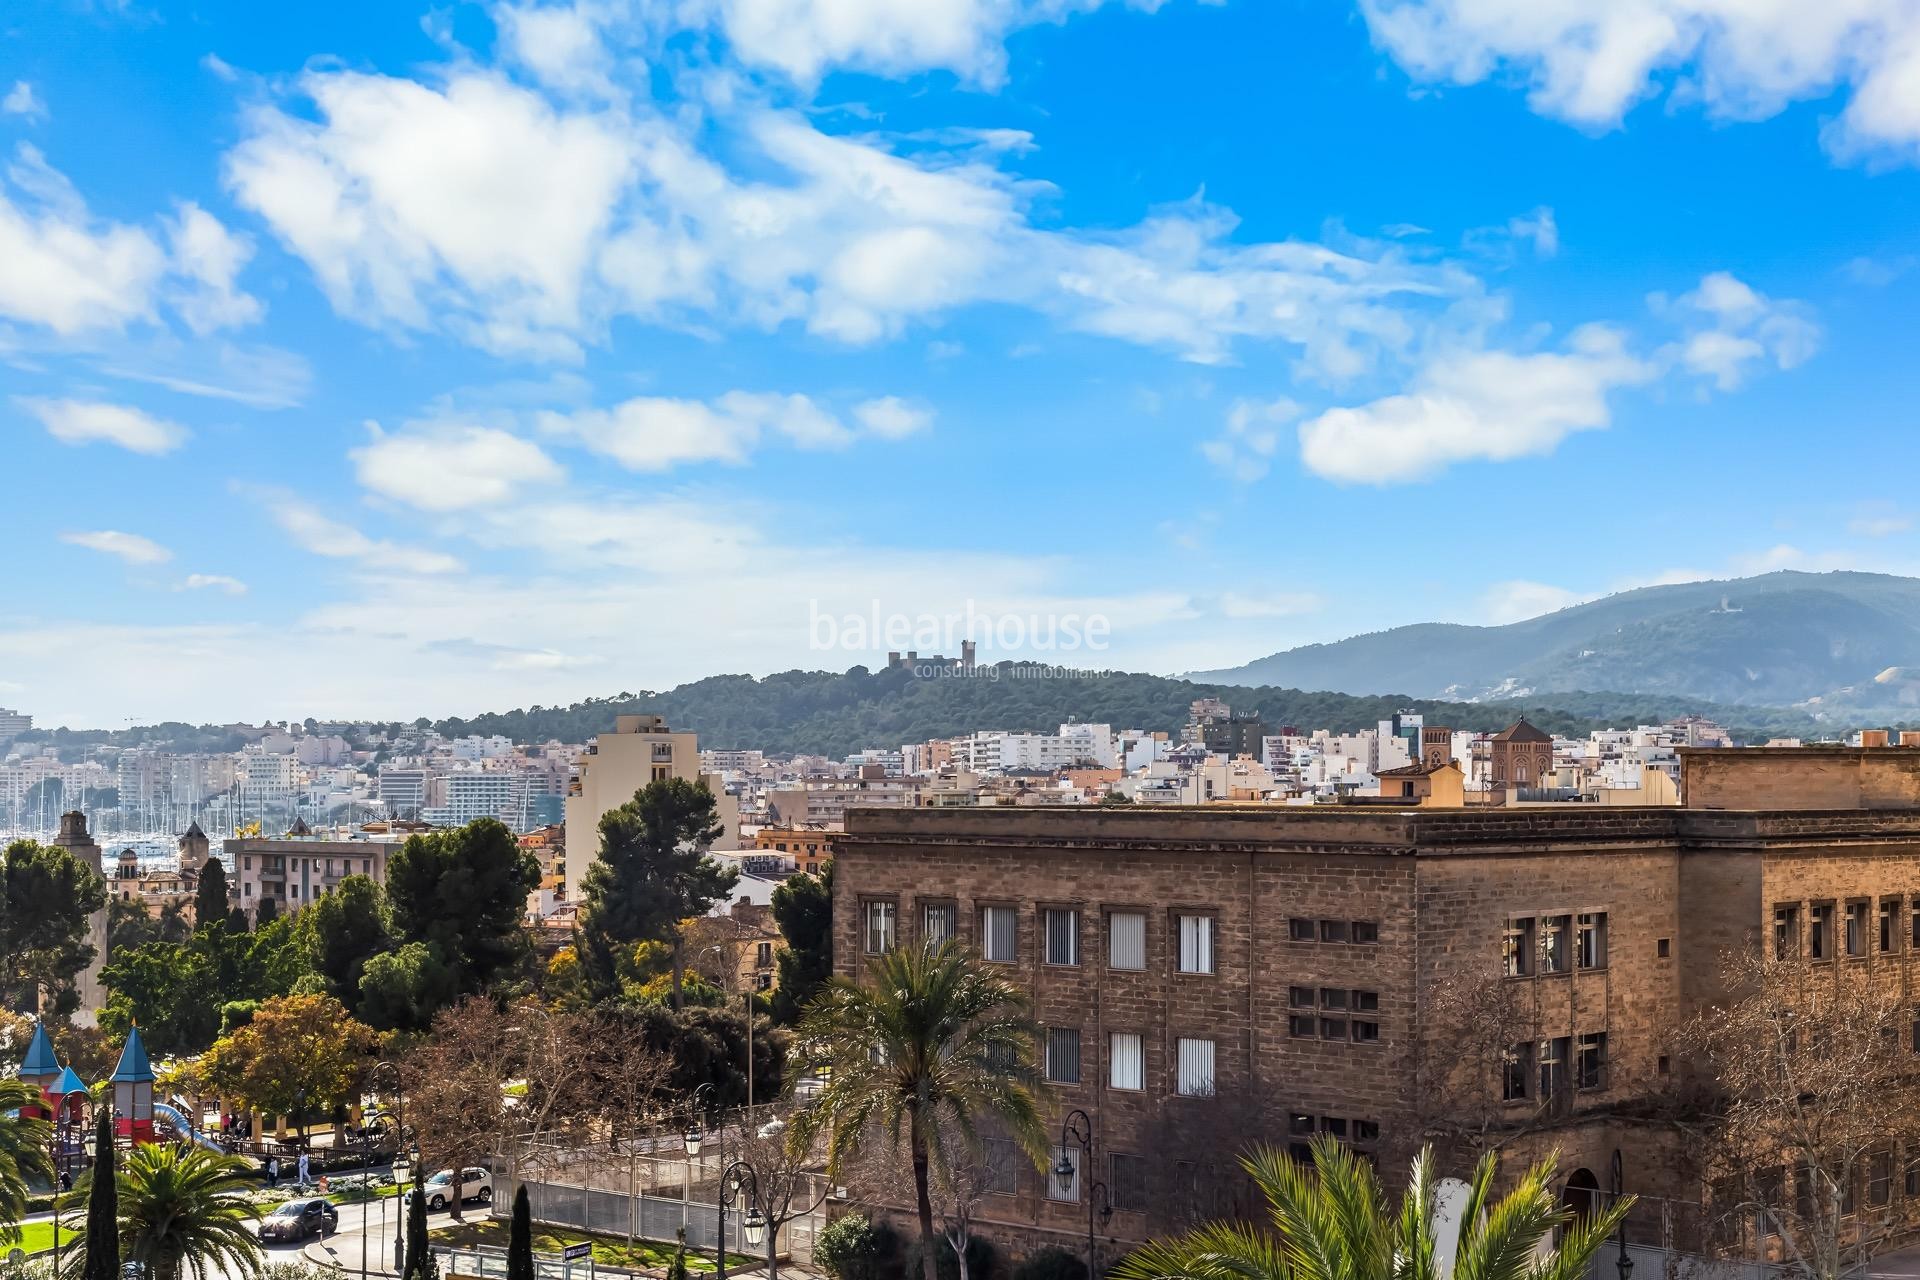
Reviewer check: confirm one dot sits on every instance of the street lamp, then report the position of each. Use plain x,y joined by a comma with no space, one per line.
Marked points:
737,1178
694,1135
399,1145
1623,1263
1077,1131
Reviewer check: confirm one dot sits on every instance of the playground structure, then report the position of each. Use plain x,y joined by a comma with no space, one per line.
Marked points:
66,1101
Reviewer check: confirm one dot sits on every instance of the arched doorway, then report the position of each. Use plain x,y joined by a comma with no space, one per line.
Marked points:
1582,1196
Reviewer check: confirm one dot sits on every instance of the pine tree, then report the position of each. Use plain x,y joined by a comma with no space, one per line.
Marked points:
102,1259
520,1238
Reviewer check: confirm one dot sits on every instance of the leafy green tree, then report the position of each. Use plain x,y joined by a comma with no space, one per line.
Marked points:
23,1152
803,908
130,924
463,892
46,896
935,1042
341,930
171,989
652,873
298,1054
185,1210
403,989
520,1238
210,894
100,1246
1334,1222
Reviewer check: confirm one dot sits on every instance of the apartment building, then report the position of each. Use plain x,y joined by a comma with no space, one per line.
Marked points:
641,749
298,867
1210,976
805,847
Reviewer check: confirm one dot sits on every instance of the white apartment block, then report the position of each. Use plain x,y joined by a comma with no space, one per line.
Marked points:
403,792
475,747
475,794
293,870
641,749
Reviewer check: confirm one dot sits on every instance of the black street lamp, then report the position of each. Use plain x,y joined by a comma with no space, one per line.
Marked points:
1623,1263
1077,1131
737,1179
694,1135
399,1147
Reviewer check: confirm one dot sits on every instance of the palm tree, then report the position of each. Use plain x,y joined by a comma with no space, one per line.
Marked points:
23,1152
186,1208
1334,1222
933,1042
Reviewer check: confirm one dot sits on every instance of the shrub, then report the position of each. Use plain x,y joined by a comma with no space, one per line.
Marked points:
855,1248
983,1260
1053,1263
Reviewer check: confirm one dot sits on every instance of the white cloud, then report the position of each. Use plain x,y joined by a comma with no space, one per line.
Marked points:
21,100
322,535
1246,448
1733,327
892,418
1516,600
657,433
1491,405
560,44
130,547
1590,61
209,258
1879,522
213,582
1540,229
64,269
92,421
451,466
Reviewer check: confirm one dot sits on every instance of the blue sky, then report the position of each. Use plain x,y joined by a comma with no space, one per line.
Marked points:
366,360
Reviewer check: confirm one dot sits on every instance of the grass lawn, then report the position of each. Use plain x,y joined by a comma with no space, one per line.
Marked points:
37,1237
355,1195
615,1251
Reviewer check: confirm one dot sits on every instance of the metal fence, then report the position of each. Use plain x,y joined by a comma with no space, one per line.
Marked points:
486,1261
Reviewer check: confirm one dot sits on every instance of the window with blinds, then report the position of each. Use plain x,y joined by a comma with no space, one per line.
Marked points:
1196,944
1063,1055
937,923
1126,1061
1126,940
879,930
999,931
1063,936
1195,1078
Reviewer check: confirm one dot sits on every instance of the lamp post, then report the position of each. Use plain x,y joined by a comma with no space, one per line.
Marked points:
399,1146
1623,1263
1077,1130
737,1178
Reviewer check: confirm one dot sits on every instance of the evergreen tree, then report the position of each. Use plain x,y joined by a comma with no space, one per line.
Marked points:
463,894
520,1238
44,947
420,1263
237,921
266,913
101,1260
210,896
677,1269
803,908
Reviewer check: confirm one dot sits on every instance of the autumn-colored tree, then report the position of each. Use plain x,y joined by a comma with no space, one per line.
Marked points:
299,1053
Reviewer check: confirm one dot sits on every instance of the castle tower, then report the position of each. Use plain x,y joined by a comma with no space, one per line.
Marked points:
194,850
74,839
40,1068
133,1092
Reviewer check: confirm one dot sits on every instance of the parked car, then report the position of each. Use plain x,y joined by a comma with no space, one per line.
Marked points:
475,1184
296,1220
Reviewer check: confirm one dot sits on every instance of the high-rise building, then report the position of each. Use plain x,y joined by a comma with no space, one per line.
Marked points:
641,749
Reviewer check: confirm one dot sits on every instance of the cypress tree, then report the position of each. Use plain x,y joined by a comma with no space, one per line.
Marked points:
210,896
420,1263
103,1207
520,1238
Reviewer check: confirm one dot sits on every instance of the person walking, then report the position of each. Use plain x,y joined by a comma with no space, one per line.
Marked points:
273,1172
303,1171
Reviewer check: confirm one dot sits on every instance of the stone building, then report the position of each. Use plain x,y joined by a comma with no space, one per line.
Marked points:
74,838
1520,755
1210,976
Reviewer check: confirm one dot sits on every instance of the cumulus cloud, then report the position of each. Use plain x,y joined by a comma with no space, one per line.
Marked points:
1245,449
451,466
1482,405
1590,61
657,433
95,422
1735,327
213,582
130,547
208,258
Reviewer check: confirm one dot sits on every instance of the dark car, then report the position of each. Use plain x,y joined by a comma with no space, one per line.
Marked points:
298,1219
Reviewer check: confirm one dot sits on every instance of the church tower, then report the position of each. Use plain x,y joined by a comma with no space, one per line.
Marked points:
74,839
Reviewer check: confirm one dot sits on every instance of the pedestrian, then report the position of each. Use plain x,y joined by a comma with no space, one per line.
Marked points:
273,1172
303,1171
66,1180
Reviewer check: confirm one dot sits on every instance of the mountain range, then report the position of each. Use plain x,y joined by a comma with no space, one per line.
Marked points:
1827,642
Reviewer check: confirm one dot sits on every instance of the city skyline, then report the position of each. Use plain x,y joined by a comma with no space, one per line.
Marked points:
387,362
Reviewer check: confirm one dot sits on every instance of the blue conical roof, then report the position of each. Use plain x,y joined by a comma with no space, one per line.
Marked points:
68,1084
41,1059
134,1067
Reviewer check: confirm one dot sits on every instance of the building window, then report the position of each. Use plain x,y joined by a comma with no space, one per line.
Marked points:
1857,928
1126,1060
1127,1181
879,930
1366,931
1063,1055
1516,948
999,934
1335,931
937,922
1299,930
1003,1165
1301,1026
1913,930
1301,997
1590,1061
1880,1179
1820,943
1195,1078
1126,940
1333,1028
1663,948
1553,1067
1889,925
1912,1187
1786,932
762,954
1590,940
1196,944
1517,1081
1555,953
1063,936
1365,1031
